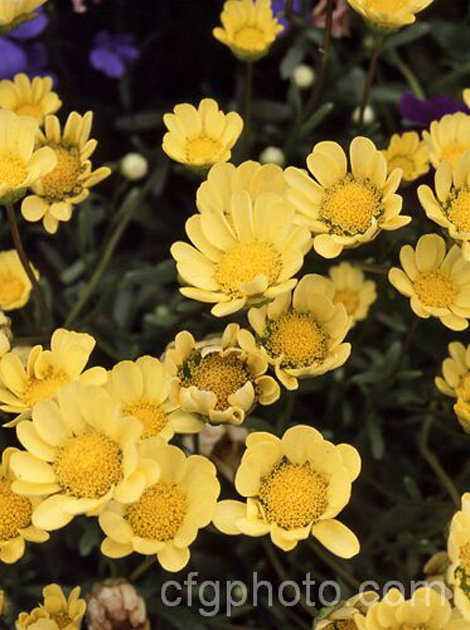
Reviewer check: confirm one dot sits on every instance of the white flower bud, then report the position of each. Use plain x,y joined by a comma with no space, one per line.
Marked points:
304,76
369,115
134,166
272,155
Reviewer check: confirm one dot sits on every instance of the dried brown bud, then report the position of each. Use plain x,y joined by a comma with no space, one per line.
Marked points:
116,605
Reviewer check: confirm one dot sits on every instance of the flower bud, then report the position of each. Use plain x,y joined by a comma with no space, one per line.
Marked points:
272,155
134,166
116,605
369,115
304,76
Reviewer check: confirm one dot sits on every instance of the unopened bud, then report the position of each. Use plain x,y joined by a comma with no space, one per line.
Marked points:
116,606
272,155
304,76
134,166
368,118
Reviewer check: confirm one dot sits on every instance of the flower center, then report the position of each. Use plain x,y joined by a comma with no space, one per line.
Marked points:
452,152
403,162
406,626
349,206
62,620
152,417
44,388
29,109
297,338
293,495
15,512
245,262
350,299
159,513
202,150
249,37
459,210
62,181
465,558
435,288
89,465
344,624
222,375
12,170
11,289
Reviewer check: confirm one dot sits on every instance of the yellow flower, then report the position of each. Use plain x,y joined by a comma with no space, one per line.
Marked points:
14,12
466,97
438,282
249,28
3,603
178,501
353,290
15,286
295,487
20,164
301,333
389,15
80,453
462,406
29,98
448,138
56,194
342,617
221,378
455,370
244,258
345,209
56,613
198,138
426,610
46,372
141,387
409,153
450,206
16,511
458,548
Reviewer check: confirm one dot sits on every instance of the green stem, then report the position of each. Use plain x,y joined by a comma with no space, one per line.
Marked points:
408,74
405,347
334,566
370,78
248,106
142,568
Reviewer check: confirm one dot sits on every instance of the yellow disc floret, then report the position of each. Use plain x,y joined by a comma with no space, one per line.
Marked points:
298,338
349,298
44,388
247,261
63,180
11,288
459,210
15,512
452,152
152,417
435,288
202,149
12,170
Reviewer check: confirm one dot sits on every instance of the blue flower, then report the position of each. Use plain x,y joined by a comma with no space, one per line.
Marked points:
424,112
279,7
112,54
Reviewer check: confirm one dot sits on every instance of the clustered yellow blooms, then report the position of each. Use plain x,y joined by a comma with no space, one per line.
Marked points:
344,616
15,286
408,152
455,380
389,15
353,290
458,549
29,98
5,334
448,138
57,612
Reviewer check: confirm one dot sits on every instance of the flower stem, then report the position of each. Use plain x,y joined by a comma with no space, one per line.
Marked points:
142,568
405,347
336,567
370,78
408,74
248,106
18,243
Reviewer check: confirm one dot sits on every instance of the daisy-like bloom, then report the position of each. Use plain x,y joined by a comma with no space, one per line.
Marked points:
458,549
165,520
353,290
301,334
436,280
389,15
20,164
57,612
80,452
294,488
249,28
462,406
56,194
342,617
455,380
346,209
409,153
466,97
141,387
198,138
29,98
448,138
449,207
245,257
14,12
16,527
15,286
221,378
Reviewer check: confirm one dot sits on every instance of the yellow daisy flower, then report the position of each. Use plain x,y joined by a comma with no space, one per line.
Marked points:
455,380
342,617
29,98
462,406
46,371
466,97
389,15
352,290
16,527
295,487
448,138
244,258
15,286
198,138
345,209
249,28
58,612
56,194
175,504
301,334
20,164
14,12
436,280
458,549
450,206
409,153
221,378
81,453
141,387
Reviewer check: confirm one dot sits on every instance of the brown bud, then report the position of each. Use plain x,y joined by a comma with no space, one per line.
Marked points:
116,605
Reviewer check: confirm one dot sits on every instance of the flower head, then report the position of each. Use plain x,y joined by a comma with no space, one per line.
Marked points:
198,138
353,291
29,98
249,28
57,612
295,487
409,153
449,207
448,138
458,548
424,112
15,12
178,501
343,616
389,15
117,604
346,209
455,380
47,371
5,334
301,334
15,286
56,194
436,280
141,387
112,54
221,378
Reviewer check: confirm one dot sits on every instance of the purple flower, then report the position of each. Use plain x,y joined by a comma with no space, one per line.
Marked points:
32,28
424,112
279,7
112,54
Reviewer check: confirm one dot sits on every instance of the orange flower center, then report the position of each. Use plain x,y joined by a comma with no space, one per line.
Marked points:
38,389
11,290
15,512
151,416
296,337
12,170
63,181
435,288
245,262
203,150
459,210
